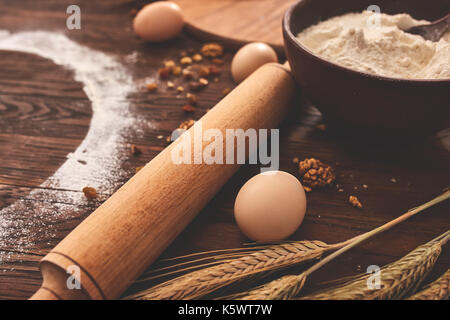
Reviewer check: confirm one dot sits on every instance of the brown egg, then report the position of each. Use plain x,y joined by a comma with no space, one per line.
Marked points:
158,21
270,206
249,58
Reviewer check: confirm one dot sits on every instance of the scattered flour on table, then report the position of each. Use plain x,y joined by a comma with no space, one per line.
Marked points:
376,43
107,84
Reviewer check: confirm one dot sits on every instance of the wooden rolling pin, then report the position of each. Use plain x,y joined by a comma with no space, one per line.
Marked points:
128,232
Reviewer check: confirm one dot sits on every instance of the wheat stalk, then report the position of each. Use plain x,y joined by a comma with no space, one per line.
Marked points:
199,283
290,286
437,290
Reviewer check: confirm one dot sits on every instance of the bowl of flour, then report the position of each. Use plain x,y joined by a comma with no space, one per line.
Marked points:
364,72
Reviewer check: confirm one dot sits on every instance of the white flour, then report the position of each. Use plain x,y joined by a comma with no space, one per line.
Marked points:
357,41
107,84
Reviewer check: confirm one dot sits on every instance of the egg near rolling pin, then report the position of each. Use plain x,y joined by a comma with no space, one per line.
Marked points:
270,206
159,21
249,58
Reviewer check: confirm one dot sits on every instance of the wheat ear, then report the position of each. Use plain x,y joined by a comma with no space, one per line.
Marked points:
437,290
201,282
398,279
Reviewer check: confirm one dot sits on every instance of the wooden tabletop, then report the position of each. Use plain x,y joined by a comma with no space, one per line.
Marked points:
45,114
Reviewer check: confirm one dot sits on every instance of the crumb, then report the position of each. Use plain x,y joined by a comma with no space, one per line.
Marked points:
169,64
195,86
215,71
307,189
197,57
212,50
135,151
218,61
321,127
133,12
170,85
188,108
152,86
180,89
365,186
340,190
204,71
82,162
191,98
216,79
295,160
159,137
226,91
203,82
354,201
393,180
138,168
90,193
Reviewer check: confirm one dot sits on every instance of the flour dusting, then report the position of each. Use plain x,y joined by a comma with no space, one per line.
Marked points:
107,84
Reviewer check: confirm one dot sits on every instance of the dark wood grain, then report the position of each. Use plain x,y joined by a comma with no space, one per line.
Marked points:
44,115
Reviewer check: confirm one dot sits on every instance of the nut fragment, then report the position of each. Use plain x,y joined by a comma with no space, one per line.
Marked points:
354,201
152,86
186,124
170,64
186,60
90,193
176,71
212,50
316,174
197,57
180,89
164,73
203,81
188,74
204,71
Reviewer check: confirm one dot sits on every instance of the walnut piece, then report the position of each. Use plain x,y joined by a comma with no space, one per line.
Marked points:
212,50
315,174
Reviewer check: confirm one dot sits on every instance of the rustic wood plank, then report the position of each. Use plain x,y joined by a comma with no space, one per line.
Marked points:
44,115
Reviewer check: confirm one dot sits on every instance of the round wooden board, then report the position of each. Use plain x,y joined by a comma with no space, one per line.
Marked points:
236,22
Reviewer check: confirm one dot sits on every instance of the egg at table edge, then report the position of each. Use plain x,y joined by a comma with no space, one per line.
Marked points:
270,206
